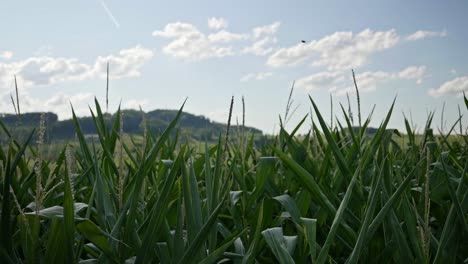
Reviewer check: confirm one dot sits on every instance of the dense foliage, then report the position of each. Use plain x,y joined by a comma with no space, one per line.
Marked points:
336,195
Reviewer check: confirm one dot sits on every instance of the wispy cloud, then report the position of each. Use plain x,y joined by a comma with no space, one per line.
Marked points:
421,34
110,15
6,55
264,38
256,76
45,50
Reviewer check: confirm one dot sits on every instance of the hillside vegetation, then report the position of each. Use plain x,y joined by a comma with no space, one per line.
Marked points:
196,127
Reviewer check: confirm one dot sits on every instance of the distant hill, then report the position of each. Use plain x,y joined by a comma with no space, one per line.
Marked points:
196,127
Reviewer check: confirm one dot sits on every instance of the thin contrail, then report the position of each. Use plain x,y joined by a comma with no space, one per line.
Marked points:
109,13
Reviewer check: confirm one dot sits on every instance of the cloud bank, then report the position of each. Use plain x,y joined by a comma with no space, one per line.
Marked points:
340,83
190,43
45,70
453,87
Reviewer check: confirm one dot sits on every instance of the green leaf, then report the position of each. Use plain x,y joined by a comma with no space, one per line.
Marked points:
158,213
388,205
372,202
198,242
310,231
69,218
307,180
56,247
288,203
264,212
97,236
221,249
323,255
57,211
342,164
6,234
265,169
466,100
278,244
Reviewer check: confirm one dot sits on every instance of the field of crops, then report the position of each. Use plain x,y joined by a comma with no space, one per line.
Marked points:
333,196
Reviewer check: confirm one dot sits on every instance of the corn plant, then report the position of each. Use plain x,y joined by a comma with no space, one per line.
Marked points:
335,195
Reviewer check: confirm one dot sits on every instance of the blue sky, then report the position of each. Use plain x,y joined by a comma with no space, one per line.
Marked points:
162,52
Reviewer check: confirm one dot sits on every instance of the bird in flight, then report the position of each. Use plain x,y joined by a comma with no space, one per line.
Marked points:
303,41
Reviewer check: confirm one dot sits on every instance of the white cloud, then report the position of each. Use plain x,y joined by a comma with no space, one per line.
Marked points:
256,76
177,29
126,64
261,47
267,30
320,80
60,104
455,86
217,23
338,51
247,77
45,50
344,51
412,73
291,56
80,103
263,39
340,82
189,43
44,70
225,36
420,34
135,104
368,81
6,55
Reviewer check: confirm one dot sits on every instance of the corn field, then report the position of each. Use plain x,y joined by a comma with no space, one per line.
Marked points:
335,195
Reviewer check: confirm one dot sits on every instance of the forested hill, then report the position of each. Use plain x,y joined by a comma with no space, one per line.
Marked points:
196,127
